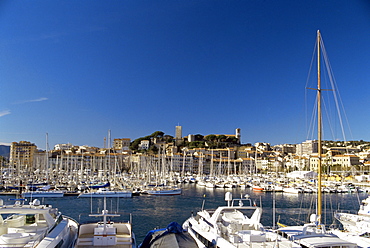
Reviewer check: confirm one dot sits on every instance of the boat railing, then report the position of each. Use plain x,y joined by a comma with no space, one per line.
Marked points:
119,217
342,211
241,202
17,201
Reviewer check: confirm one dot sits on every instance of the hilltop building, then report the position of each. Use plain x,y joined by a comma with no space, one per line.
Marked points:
63,147
121,144
178,135
144,145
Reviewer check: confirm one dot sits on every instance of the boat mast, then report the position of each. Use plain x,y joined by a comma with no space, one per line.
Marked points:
319,129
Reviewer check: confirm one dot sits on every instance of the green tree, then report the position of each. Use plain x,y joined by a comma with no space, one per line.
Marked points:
210,138
157,134
198,137
221,138
196,144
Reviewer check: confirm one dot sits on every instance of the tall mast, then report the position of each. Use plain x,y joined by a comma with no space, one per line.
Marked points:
47,158
319,129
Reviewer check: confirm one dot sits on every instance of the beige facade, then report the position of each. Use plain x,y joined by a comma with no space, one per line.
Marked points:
346,160
22,153
121,144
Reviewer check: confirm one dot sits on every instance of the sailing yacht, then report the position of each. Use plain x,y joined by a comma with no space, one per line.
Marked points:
314,233
165,190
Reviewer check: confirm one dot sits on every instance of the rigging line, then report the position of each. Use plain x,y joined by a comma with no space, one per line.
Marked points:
329,120
336,93
333,84
307,84
300,208
332,209
311,205
311,129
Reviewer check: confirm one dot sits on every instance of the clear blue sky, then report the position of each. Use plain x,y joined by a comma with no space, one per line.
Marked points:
76,69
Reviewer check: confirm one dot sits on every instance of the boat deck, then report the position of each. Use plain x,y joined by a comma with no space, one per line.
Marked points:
123,239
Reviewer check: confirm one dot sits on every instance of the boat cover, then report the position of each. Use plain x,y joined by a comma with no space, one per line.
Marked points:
172,236
101,185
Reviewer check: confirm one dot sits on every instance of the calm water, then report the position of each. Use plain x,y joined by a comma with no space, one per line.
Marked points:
149,212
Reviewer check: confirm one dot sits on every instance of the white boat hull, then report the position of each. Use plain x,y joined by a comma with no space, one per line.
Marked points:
43,194
165,192
36,225
109,194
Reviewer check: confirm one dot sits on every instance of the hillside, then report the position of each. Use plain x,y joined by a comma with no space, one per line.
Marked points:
5,151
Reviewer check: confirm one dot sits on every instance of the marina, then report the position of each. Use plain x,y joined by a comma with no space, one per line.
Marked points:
132,66
149,212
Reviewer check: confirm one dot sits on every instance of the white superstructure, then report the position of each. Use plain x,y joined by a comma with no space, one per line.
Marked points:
35,225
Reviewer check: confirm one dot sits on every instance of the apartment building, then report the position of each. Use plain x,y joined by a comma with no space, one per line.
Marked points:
22,153
121,144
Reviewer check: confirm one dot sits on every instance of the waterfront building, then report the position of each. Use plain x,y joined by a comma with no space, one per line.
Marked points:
245,152
247,165
182,162
299,163
343,150
260,163
346,160
314,160
22,153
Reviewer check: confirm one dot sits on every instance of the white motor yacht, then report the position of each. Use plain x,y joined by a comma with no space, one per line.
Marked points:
235,225
35,225
106,233
356,227
314,236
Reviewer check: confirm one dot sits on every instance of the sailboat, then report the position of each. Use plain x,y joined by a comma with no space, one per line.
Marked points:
103,189
314,233
45,190
162,188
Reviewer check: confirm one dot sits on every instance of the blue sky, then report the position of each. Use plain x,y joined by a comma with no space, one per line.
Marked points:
76,69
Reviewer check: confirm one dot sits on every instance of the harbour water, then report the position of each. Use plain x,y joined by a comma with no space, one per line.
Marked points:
149,212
